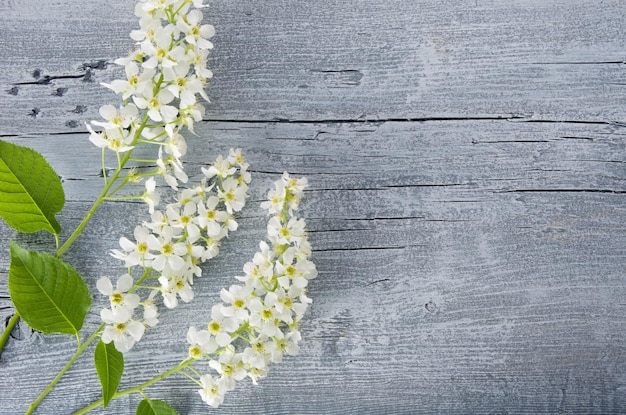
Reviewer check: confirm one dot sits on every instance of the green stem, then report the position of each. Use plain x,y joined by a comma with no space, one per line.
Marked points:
7,331
139,388
103,194
108,184
69,364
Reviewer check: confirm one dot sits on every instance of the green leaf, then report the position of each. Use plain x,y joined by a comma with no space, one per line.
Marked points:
155,407
109,365
49,294
30,190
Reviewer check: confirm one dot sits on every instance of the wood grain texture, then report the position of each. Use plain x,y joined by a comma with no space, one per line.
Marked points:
467,200
334,60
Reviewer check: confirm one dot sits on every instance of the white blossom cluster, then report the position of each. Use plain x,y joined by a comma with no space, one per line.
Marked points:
165,74
170,247
258,321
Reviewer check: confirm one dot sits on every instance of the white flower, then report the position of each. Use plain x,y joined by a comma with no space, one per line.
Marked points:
184,86
200,343
123,335
280,304
280,234
170,253
135,84
151,6
167,166
297,273
176,146
212,249
238,297
286,345
136,253
263,318
213,390
149,28
233,194
150,310
190,115
295,189
151,196
195,33
184,219
221,326
198,58
173,287
230,367
161,51
115,139
117,118
257,355
275,199
230,223
156,104
220,167
121,301
209,218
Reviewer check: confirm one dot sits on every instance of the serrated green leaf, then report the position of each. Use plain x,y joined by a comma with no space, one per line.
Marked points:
109,366
48,293
30,190
155,407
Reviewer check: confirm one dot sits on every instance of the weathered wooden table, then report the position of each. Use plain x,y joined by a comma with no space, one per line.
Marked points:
467,201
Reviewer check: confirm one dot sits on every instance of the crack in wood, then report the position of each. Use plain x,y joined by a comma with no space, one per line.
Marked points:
386,218
509,141
377,281
364,120
581,63
405,186
368,248
610,191
337,230
47,79
373,121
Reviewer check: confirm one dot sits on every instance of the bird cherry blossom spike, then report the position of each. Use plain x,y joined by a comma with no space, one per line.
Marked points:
165,75
259,319
169,249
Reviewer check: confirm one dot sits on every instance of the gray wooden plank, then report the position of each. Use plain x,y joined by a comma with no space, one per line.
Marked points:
383,156
465,266
335,60
470,243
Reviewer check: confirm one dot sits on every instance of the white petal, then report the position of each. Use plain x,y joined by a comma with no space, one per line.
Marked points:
213,229
126,244
153,114
230,324
131,69
136,330
223,339
140,102
150,185
124,283
123,343
105,286
108,112
186,294
108,334
176,262
169,113
131,301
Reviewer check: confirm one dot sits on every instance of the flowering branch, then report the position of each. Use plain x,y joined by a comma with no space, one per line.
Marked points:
170,248
259,319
